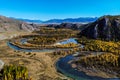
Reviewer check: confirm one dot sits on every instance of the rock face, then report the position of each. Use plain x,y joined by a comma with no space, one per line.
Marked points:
105,28
10,25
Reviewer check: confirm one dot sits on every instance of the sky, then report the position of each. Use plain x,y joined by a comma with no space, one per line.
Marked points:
58,9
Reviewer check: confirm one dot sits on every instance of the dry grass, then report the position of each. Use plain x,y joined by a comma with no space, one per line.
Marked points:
40,65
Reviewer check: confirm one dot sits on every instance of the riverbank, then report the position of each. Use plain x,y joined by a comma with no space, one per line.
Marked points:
67,66
40,65
70,69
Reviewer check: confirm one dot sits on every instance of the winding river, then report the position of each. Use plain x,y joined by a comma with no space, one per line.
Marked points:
27,50
62,64
23,41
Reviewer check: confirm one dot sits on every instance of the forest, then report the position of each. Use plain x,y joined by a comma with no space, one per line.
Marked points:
46,38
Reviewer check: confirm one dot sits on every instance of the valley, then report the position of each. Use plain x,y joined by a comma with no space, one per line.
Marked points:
59,40
49,53
39,62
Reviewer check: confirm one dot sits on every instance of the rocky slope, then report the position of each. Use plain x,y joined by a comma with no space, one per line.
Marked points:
10,25
105,28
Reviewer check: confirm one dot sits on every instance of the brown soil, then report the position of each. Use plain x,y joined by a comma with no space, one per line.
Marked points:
40,65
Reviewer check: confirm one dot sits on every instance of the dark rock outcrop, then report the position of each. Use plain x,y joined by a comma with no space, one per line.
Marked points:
74,26
105,28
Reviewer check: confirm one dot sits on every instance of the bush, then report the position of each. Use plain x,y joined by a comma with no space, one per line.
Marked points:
12,72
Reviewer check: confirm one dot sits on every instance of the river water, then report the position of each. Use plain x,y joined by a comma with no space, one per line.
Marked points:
23,41
62,64
65,68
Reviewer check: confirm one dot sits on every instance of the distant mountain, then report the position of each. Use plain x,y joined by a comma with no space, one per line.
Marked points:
72,20
68,20
105,28
31,21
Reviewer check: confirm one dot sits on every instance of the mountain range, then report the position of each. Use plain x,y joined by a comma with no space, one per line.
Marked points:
67,20
104,28
9,24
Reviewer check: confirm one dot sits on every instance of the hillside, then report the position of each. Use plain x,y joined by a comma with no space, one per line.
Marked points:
10,25
105,28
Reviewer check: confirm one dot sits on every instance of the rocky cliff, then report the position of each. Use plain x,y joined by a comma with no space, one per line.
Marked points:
105,28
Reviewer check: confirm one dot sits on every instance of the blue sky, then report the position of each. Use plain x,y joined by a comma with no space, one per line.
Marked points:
51,9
